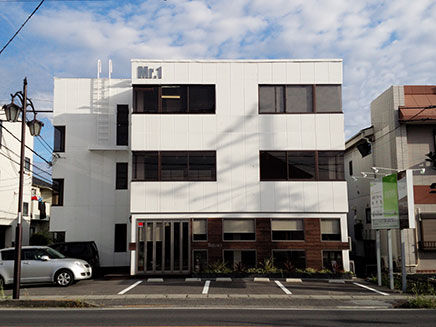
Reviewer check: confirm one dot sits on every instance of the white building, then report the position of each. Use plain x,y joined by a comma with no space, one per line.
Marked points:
191,162
9,180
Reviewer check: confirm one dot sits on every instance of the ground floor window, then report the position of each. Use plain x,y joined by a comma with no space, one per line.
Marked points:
240,259
58,237
332,260
239,230
199,261
289,259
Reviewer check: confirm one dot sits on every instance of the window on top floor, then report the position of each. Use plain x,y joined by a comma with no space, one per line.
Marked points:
174,99
299,99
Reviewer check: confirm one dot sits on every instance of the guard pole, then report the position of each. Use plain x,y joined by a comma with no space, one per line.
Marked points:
391,263
403,261
377,244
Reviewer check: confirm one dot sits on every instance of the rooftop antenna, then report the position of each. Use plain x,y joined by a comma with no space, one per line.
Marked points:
110,68
98,68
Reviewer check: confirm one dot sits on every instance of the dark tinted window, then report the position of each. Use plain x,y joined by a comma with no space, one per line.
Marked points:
8,255
328,98
332,260
120,238
25,208
202,166
59,139
273,165
201,99
58,192
122,125
331,165
271,99
146,99
174,166
145,166
299,98
121,176
174,99
301,165
289,260
27,163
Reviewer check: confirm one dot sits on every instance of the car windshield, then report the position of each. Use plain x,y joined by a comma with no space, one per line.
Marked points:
53,254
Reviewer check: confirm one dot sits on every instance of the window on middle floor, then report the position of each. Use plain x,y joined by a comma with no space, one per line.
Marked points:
239,229
174,166
59,139
174,99
330,229
301,165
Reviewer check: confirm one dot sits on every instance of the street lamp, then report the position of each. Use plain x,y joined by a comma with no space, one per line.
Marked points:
12,112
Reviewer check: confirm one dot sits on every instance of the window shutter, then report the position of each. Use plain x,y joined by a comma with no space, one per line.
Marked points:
286,224
199,226
238,226
330,226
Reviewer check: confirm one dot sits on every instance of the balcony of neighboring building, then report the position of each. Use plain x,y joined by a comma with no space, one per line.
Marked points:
419,104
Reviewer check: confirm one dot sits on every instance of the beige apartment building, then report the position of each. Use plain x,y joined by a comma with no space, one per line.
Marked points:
401,136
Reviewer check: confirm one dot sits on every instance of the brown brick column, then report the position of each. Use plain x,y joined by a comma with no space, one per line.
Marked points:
312,231
263,239
215,240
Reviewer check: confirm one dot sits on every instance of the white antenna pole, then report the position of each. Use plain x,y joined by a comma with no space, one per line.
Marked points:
98,68
110,68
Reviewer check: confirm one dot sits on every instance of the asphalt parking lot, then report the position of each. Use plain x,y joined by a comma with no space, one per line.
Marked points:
174,286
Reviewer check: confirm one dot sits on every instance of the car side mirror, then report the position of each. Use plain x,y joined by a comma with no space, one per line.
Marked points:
44,258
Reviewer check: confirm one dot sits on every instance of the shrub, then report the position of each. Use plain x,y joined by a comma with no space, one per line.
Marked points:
39,239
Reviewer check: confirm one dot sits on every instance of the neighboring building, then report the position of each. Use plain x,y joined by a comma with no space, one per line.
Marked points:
9,180
40,206
402,134
193,162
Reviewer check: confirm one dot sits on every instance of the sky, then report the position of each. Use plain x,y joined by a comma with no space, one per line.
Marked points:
382,43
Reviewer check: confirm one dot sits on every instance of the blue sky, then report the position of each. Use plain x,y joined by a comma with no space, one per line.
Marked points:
382,43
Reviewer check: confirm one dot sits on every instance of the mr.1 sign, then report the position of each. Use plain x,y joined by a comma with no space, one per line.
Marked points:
145,72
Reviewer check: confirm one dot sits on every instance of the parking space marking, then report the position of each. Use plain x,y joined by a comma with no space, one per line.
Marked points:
371,289
206,287
130,287
284,289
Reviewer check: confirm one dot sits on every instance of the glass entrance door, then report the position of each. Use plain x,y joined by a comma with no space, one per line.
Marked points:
163,246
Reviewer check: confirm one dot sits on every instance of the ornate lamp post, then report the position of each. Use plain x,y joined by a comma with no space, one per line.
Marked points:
12,112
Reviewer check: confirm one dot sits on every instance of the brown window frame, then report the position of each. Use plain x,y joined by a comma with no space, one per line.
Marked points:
60,192
316,176
159,99
314,110
62,130
186,178
121,182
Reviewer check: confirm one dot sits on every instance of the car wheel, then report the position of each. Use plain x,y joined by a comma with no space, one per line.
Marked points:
64,278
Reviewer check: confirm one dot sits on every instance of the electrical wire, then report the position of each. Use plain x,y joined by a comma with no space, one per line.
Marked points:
29,162
10,159
48,145
16,33
29,148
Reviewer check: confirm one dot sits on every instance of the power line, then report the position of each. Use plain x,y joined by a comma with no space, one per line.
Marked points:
16,33
48,145
10,159
7,130
40,169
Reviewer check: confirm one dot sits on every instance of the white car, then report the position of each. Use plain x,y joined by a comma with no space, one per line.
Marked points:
42,264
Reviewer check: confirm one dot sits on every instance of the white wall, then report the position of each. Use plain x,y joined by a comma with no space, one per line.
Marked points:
9,180
237,132
92,206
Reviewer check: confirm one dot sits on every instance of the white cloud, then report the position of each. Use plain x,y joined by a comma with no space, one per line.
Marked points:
381,42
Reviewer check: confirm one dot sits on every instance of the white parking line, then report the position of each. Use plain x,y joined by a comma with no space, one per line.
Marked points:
284,289
371,289
206,287
130,287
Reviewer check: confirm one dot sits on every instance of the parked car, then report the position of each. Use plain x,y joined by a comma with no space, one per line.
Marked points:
80,250
42,264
